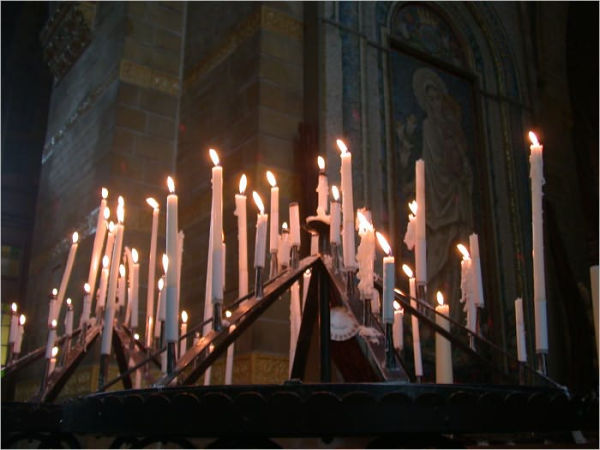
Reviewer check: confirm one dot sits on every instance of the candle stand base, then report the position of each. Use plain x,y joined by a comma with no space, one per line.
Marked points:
542,363
390,357
103,372
318,225
217,322
258,283
294,257
274,265
366,312
171,355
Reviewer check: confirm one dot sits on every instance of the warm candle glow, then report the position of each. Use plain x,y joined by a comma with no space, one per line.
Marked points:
396,305
258,201
321,162
161,284
54,351
69,301
440,298
120,212
75,237
165,262
22,319
307,272
184,316
122,270
413,207
106,213
153,203
136,336
13,306
86,288
533,138
228,314
104,192
335,192
243,183
53,323
284,226
342,146
214,156
463,250
363,222
383,243
120,200
111,226
407,270
54,292
171,184
271,178
105,261
134,255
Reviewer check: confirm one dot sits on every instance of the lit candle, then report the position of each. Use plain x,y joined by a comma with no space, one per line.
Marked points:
183,332
409,236
103,215
420,224
14,324
51,339
294,225
52,306
62,289
137,383
466,288
414,321
274,224
240,212
162,310
365,256
109,312
69,319
217,229
87,305
520,331
121,285
334,230
53,355
159,308
305,285
134,292
151,269
171,330
20,333
389,279
477,281
398,327
537,224
101,300
261,232
322,188
443,348
283,252
347,206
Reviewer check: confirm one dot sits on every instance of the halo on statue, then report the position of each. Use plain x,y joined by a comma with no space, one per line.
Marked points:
423,78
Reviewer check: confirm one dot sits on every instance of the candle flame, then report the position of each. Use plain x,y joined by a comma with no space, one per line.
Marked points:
413,207
122,270
307,272
54,351
106,213
161,283
533,138
69,301
184,316
75,237
214,156
228,314
153,203
170,184
396,305
54,292
111,226
134,255
463,250
136,336
22,319
271,178
363,223
53,323
243,183
258,201
104,192
86,288
321,162
284,226
14,307
120,200
335,192
105,261
383,243
150,322
342,146
440,298
121,213
165,262
398,291
408,271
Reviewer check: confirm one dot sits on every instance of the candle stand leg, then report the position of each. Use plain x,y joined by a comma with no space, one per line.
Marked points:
295,257
274,265
390,359
218,315
542,363
258,285
366,312
323,243
171,357
103,373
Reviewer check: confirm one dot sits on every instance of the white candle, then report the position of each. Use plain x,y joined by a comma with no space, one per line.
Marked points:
477,280
389,279
322,188
14,324
398,327
208,306
334,230
121,286
103,215
443,348
183,332
20,333
294,224
51,306
537,224
240,212
62,289
295,320
162,310
274,223
170,289
305,285
87,305
420,224
466,288
409,236
520,331
314,243
347,206
261,232
101,300
217,229
151,270
109,312
229,360
418,361
159,308
52,365
51,339
365,255
134,292
69,318
180,239
283,252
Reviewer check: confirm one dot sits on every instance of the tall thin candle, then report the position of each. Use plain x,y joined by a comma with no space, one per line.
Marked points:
418,361
217,229
171,329
274,222
103,212
322,188
420,225
443,348
334,230
347,206
240,212
389,276
134,295
261,232
62,289
151,270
